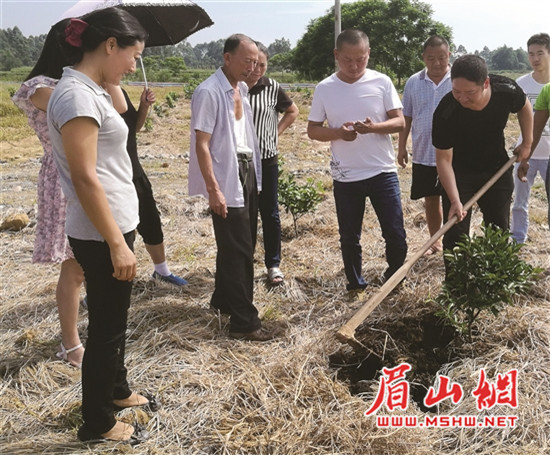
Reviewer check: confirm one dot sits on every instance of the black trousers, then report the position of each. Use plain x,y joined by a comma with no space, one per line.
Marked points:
269,212
236,240
150,226
103,370
494,204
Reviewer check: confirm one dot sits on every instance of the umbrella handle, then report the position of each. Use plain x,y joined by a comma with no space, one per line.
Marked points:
143,71
145,80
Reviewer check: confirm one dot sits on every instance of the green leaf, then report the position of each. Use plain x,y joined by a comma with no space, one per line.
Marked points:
483,274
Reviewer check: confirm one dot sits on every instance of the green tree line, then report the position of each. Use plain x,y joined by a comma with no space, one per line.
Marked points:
17,50
396,28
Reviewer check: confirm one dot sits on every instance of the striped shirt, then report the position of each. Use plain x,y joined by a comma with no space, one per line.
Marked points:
420,98
267,99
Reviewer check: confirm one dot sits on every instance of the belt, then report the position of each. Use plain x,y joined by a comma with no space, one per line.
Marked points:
244,156
245,159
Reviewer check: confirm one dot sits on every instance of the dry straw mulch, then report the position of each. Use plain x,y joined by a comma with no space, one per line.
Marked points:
221,396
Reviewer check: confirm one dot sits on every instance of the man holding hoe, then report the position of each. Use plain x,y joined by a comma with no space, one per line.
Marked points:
468,135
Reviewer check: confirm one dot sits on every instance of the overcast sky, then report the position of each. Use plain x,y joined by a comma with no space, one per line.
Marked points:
475,23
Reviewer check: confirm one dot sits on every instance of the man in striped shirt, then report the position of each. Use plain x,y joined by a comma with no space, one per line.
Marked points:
422,94
268,100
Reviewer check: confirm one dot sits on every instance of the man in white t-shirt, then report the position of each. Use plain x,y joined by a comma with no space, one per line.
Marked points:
361,108
538,47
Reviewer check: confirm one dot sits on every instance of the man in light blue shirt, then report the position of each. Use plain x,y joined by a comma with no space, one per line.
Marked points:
422,94
225,168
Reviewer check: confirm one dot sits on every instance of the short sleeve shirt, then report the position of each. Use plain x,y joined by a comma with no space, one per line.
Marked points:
212,112
477,137
268,99
420,98
76,95
532,89
338,102
543,100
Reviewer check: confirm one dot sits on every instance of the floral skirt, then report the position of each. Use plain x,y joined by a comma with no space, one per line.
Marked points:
51,244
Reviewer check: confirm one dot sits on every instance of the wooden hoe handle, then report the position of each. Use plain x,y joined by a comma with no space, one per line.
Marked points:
346,333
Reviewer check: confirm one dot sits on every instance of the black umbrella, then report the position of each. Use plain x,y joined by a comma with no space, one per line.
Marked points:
167,22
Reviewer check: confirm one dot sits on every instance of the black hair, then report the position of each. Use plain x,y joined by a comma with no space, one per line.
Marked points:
104,24
232,43
351,36
52,58
540,38
470,67
262,49
435,41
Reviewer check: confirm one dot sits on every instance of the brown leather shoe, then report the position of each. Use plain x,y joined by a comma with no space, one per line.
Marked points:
260,334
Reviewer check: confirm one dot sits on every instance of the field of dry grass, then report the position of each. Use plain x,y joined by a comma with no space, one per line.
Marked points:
289,396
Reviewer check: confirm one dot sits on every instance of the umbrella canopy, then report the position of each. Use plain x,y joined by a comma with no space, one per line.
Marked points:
167,22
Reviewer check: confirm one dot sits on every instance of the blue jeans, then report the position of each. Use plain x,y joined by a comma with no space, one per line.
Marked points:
269,212
385,196
522,190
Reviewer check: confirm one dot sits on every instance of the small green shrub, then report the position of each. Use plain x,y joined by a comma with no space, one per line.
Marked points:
171,99
298,199
189,88
159,110
308,92
483,273
148,125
